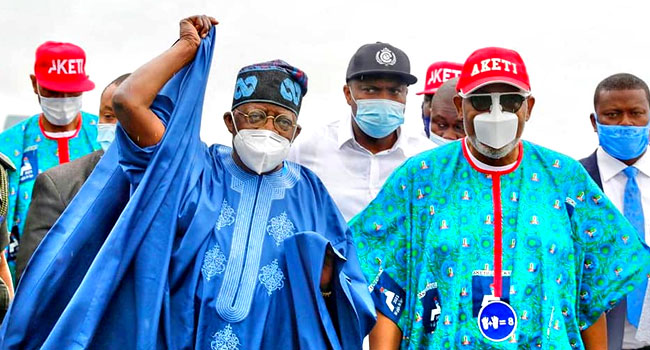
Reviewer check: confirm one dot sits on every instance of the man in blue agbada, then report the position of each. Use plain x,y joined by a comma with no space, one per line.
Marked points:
491,242
216,248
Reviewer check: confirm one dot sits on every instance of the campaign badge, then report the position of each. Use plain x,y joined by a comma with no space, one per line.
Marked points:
497,321
483,290
29,167
432,308
388,296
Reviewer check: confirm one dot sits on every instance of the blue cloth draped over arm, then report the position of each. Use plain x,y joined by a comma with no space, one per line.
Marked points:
104,276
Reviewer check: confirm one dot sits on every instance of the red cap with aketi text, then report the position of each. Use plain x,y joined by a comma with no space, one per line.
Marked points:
493,65
62,67
438,73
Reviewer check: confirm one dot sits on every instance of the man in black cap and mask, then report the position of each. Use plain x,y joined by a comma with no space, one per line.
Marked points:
355,155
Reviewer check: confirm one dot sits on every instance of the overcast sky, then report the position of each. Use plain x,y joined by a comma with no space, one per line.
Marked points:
568,47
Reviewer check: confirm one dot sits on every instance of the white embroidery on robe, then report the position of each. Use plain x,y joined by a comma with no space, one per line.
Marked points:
225,339
271,277
280,227
214,262
226,217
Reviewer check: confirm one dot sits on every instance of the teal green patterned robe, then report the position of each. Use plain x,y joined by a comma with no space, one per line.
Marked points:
570,253
33,153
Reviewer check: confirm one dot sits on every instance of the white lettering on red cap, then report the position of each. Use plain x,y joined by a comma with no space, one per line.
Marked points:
486,67
72,66
441,75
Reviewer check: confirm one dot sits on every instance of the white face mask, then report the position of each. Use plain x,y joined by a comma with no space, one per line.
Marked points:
61,110
261,150
438,140
497,128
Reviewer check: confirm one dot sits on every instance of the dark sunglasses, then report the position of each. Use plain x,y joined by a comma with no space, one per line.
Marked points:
509,101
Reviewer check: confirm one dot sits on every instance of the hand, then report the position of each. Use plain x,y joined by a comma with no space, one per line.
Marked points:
327,273
194,28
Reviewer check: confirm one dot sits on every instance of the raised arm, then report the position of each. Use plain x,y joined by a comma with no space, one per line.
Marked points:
134,96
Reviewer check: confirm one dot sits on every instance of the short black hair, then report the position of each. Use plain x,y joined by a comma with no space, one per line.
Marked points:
621,81
117,81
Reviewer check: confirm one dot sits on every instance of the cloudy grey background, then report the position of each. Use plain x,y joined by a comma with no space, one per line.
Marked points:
568,46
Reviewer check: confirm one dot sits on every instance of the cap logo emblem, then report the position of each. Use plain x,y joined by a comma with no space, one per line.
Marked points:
245,87
67,66
441,75
290,91
385,57
491,64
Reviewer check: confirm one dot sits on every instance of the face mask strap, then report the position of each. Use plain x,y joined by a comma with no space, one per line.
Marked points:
351,94
38,90
234,122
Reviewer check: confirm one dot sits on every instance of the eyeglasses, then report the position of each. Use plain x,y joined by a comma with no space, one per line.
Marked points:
257,118
509,101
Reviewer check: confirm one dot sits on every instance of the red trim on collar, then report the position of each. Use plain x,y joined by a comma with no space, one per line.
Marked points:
62,142
520,156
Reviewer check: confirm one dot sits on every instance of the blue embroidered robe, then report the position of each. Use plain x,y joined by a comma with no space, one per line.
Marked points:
201,255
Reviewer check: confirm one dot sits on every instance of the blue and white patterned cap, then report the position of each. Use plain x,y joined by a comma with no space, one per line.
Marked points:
275,82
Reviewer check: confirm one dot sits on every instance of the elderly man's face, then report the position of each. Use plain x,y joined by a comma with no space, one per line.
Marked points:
267,116
465,108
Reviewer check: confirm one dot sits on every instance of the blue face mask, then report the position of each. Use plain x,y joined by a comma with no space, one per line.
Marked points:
438,140
378,118
623,142
105,134
427,124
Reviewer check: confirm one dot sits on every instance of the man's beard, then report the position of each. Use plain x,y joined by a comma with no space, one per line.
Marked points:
491,152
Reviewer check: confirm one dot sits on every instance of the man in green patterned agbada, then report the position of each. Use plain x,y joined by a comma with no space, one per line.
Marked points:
492,242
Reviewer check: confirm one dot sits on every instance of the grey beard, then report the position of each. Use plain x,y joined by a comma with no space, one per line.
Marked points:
491,152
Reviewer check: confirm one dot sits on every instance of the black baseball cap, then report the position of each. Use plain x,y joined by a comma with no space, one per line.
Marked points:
380,58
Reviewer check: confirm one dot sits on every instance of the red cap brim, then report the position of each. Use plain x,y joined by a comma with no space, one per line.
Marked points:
494,80
68,86
427,92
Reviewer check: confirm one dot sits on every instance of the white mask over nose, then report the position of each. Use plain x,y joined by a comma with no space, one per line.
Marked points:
260,150
59,111
496,128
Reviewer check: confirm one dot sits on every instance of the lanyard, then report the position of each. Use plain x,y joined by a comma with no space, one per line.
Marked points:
498,214
498,235
62,142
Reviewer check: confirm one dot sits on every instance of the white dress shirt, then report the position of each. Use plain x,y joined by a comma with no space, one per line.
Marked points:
614,181
352,174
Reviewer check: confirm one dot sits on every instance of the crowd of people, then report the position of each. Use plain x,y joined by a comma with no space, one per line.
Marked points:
124,231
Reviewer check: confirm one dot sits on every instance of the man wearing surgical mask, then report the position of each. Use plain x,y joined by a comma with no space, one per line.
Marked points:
356,154
446,124
60,133
494,242
55,188
621,167
222,245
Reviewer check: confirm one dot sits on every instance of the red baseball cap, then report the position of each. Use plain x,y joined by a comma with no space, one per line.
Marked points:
438,73
62,67
493,65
